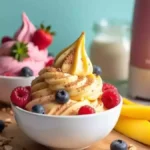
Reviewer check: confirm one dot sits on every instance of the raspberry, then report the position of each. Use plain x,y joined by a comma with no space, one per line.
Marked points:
85,110
110,98
28,88
6,39
107,86
20,96
8,74
49,63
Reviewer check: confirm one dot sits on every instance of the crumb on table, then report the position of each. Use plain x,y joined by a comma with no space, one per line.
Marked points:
132,147
5,143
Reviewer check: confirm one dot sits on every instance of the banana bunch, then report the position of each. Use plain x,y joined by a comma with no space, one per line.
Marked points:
134,121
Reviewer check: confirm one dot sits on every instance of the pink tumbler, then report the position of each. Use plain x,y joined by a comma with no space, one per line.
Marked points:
139,73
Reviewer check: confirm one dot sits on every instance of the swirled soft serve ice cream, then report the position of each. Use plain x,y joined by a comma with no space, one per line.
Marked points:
22,55
73,73
69,87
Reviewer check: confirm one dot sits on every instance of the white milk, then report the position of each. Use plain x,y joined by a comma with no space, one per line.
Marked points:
111,53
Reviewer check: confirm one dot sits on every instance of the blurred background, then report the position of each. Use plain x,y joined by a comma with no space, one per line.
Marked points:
67,17
107,24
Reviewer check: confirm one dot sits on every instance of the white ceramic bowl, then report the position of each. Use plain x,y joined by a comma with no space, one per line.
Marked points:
67,132
7,84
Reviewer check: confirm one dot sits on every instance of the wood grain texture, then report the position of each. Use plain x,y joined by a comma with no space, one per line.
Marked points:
22,142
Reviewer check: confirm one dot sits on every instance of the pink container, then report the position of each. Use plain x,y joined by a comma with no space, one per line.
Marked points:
139,74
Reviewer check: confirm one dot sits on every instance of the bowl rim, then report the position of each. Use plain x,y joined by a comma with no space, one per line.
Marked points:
67,117
16,77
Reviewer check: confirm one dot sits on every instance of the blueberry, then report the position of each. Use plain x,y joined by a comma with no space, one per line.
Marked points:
62,96
50,54
2,125
97,70
38,109
26,72
118,145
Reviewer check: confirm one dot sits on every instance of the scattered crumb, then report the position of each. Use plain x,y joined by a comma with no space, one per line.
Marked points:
11,112
8,120
3,109
5,143
7,110
8,147
132,147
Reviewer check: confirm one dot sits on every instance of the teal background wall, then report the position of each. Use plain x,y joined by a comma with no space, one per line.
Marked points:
67,17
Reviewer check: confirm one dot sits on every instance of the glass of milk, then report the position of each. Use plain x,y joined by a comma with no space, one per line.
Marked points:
110,49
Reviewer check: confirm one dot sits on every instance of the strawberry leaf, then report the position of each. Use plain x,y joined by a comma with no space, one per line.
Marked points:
42,26
19,51
48,28
53,33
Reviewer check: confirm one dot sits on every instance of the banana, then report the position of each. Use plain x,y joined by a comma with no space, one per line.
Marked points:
128,102
133,123
138,130
136,111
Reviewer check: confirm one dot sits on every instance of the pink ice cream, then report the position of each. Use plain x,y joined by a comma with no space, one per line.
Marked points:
37,58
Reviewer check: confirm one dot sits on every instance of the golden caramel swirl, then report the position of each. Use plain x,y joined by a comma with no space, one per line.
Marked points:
82,91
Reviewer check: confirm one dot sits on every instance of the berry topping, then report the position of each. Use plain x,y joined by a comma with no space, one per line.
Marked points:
85,110
28,88
107,86
50,54
43,37
2,125
20,96
118,145
49,63
38,109
110,98
26,72
6,39
97,70
62,96
19,51
8,74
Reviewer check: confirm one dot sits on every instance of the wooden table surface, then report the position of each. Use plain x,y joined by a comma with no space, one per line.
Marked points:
21,142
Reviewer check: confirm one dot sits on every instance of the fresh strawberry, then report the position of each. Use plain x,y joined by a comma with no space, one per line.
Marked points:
49,63
8,73
85,110
107,86
110,98
43,37
20,96
6,39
